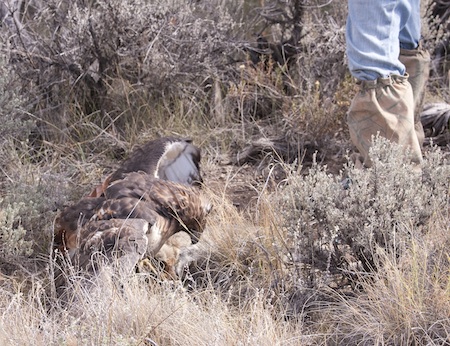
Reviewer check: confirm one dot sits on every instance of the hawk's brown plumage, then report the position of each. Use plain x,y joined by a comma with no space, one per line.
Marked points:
137,209
108,240
166,206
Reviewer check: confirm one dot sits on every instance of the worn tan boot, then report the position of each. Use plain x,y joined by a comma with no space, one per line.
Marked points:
386,107
417,63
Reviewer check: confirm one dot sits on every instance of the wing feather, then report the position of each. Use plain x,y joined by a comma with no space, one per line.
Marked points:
178,156
108,241
138,208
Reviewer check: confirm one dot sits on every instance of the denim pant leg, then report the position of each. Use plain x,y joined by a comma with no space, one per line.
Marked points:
410,26
373,36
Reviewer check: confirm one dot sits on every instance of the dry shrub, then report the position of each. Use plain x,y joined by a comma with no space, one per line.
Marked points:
14,130
337,230
14,125
301,103
258,94
110,68
437,39
32,184
12,233
406,301
95,60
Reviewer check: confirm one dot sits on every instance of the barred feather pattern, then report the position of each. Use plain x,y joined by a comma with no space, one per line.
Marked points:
165,207
152,196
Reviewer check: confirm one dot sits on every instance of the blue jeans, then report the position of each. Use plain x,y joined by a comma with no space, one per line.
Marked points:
376,30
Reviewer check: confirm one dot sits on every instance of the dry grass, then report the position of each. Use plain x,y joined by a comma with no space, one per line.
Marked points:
289,257
406,302
249,287
139,313
241,293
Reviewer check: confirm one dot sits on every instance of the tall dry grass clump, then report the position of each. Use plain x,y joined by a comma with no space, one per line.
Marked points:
406,301
134,310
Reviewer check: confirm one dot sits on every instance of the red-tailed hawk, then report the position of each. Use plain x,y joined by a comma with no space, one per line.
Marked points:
136,212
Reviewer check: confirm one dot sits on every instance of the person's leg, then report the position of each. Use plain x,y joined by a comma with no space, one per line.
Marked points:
409,35
384,107
385,103
416,60
372,36
417,63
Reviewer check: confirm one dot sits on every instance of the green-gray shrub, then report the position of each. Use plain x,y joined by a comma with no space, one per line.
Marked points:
12,234
383,207
30,193
14,125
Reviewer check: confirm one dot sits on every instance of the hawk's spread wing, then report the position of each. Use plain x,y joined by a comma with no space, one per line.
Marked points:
167,208
167,158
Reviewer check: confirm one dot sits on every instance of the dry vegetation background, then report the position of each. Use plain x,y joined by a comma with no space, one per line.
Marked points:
290,257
